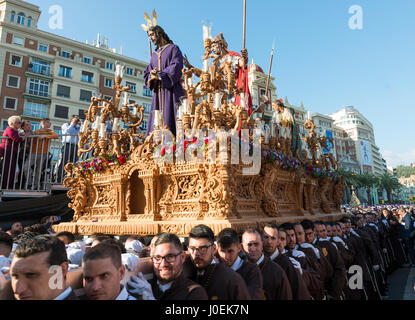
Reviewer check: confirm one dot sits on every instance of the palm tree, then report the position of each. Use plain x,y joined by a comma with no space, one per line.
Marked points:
367,180
389,183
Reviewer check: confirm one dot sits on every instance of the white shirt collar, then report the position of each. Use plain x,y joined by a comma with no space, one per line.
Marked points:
124,295
260,260
237,264
165,287
275,254
64,294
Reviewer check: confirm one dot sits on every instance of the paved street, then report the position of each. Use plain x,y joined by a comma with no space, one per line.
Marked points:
401,284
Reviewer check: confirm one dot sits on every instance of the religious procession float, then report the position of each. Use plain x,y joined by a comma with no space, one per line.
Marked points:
208,157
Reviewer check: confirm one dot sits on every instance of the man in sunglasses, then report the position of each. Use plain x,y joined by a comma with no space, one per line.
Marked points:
169,282
220,282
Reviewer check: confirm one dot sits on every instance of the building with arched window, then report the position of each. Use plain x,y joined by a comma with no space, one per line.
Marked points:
21,18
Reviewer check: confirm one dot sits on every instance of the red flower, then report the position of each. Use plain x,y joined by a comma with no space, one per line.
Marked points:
163,151
122,160
267,156
194,140
186,143
174,148
206,141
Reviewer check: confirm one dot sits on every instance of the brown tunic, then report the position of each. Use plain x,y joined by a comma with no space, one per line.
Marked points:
338,280
219,281
181,289
253,279
298,287
276,284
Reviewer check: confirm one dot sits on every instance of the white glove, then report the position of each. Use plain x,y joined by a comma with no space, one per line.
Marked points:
385,250
376,267
140,286
298,253
296,264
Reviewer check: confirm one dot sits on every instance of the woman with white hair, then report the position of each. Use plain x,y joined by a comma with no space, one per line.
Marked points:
8,151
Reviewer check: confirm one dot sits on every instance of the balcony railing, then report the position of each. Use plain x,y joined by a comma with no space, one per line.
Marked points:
30,168
41,70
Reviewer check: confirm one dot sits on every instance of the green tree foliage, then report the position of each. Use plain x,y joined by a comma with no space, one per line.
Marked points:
405,171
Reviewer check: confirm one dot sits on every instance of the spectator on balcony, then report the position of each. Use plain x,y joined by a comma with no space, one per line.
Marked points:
24,149
9,151
70,140
39,154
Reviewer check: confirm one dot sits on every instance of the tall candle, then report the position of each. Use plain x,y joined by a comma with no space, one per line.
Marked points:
85,126
218,97
205,65
242,96
308,115
102,130
115,125
187,106
134,111
156,118
97,121
190,82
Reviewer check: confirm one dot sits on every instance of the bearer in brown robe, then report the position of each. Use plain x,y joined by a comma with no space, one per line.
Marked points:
276,284
270,238
229,248
220,282
169,282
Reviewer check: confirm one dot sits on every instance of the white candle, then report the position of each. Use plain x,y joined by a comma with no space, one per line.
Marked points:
308,115
126,98
102,131
190,81
97,121
85,126
205,32
115,125
205,65
242,96
134,111
156,118
186,106
218,96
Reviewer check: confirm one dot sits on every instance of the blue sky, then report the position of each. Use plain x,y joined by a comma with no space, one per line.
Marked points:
319,59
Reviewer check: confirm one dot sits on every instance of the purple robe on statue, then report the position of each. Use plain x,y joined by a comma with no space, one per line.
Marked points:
166,97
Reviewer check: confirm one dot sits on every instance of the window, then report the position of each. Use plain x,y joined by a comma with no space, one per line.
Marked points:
87,77
5,124
16,61
147,92
61,112
12,16
144,125
81,114
58,130
108,83
43,47
40,67
109,66
132,86
65,72
85,95
18,41
63,91
39,87
87,60
35,126
20,18
66,54
29,22
13,82
34,109
129,71
10,103
147,106
108,98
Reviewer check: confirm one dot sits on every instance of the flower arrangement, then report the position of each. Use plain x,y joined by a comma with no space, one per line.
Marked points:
283,161
99,164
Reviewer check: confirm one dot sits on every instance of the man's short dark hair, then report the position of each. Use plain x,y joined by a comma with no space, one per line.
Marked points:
270,225
104,251
6,240
253,230
307,224
169,238
228,237
287,226
38,229
202,232
67,234
40,244
24,237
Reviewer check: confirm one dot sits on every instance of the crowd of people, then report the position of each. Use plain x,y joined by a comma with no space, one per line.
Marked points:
348,259
25,153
